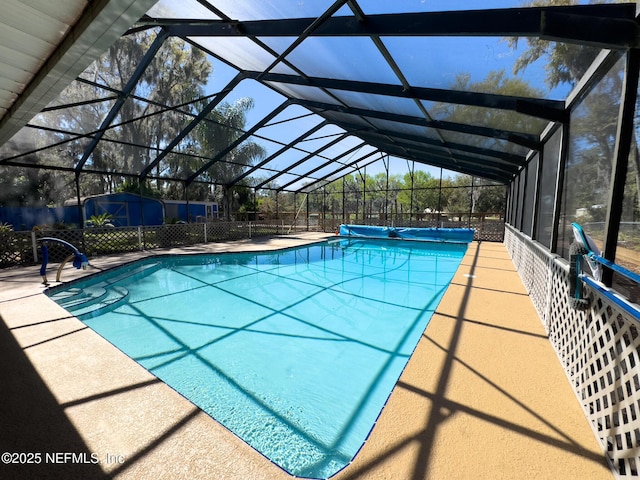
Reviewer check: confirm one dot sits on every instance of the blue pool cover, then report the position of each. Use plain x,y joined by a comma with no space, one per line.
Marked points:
462,235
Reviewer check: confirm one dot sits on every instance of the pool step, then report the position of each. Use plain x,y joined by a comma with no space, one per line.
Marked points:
114,295
75,297
84,301
135,273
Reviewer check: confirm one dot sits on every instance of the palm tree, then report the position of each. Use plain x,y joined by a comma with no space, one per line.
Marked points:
217,132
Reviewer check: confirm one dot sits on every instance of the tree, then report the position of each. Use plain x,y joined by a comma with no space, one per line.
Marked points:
165,99
496,82
592,130
565,62
145,189
459,195
488,198
176,75
22,187
420,192
352,195
212,136
267,203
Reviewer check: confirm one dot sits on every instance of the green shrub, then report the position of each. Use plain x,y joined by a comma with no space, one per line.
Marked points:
102,220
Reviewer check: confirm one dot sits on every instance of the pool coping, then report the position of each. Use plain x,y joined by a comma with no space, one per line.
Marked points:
458,391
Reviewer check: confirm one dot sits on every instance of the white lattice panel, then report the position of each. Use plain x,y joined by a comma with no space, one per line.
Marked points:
610,386
599,351
539,285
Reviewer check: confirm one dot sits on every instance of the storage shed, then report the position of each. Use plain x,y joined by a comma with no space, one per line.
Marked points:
126,209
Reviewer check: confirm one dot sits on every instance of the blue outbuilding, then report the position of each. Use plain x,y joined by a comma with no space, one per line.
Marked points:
126,209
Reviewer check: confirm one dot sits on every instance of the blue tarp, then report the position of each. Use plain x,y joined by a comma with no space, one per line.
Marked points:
463,235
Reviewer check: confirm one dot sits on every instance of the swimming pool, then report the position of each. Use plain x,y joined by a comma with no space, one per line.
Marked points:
295,351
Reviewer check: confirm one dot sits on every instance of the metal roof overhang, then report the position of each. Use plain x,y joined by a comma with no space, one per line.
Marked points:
604,26
89,27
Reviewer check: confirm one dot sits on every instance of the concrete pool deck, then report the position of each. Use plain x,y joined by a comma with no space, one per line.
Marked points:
483,396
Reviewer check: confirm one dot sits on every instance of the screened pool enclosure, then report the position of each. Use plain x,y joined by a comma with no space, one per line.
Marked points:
515,119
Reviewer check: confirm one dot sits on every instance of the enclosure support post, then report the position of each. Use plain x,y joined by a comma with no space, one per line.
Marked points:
344,212
141,202
255,206
356,192
364,197
564,147
186,198
624,135
324,208
386,191
411,202
536,203
307,200
523,185
507,201
440,196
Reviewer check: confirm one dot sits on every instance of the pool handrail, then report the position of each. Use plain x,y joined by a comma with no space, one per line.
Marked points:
586,244
79,259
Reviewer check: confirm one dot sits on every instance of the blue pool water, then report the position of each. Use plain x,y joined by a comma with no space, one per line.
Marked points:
295,351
